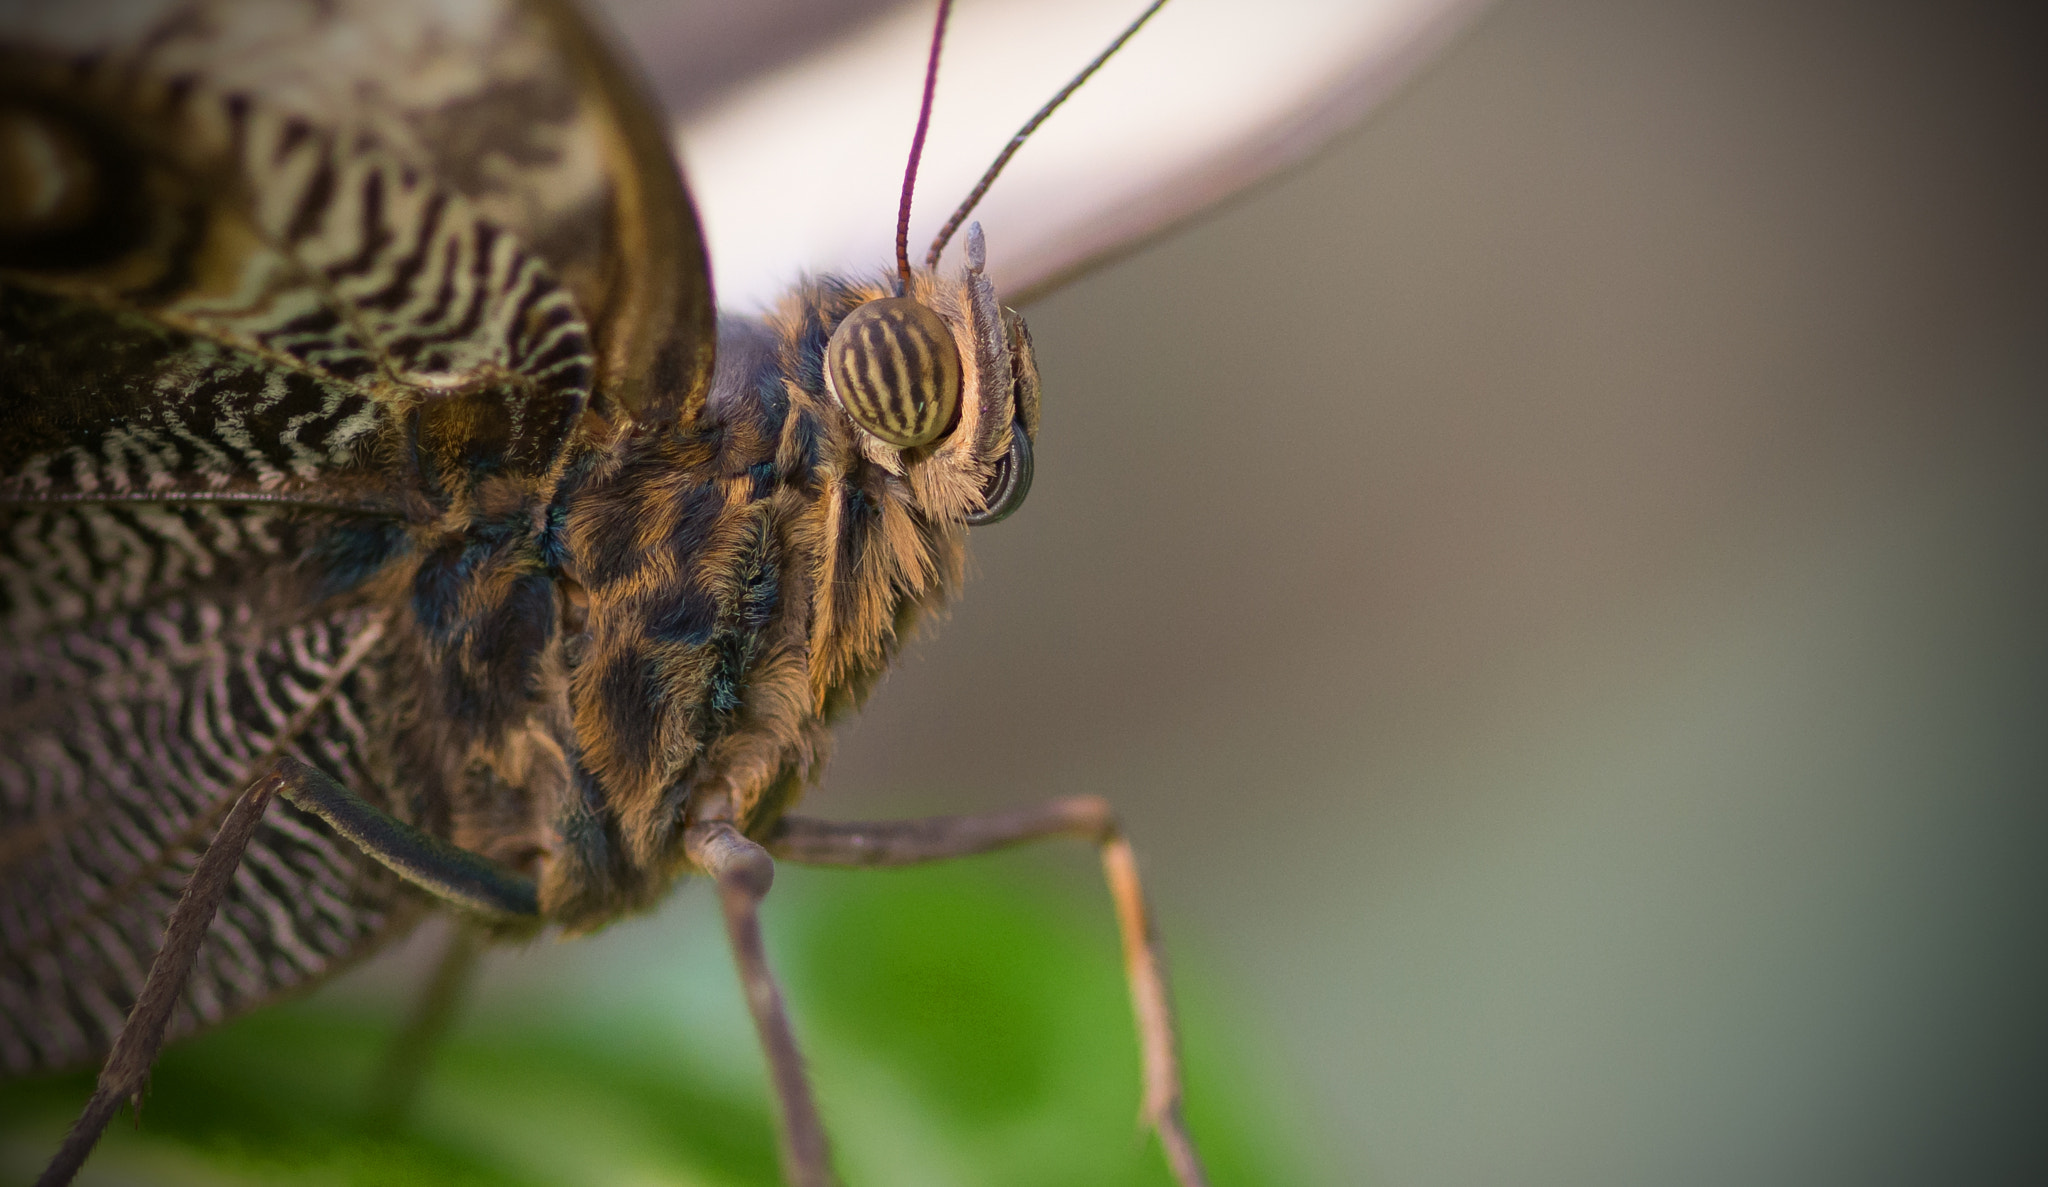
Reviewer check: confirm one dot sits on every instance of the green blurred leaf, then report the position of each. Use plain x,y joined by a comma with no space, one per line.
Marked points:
965,1024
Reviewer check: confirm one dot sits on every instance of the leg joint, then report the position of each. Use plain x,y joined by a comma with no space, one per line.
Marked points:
717,848
1092,817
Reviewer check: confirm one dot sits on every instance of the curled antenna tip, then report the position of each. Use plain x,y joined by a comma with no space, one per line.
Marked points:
977,248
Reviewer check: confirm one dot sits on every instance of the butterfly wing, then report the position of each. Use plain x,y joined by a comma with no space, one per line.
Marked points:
280,289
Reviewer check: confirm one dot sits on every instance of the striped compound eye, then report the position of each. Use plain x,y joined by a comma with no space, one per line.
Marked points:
896,370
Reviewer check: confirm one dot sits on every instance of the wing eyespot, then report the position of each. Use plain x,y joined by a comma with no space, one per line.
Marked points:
67,188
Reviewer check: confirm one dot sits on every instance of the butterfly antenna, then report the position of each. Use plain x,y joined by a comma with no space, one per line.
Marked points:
924,123
931,258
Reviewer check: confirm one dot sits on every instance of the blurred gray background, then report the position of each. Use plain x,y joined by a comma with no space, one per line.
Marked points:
1557,588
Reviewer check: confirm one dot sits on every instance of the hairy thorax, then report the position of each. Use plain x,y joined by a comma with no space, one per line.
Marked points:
725,587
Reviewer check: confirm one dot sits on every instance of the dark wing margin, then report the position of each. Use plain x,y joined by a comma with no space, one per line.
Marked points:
655,321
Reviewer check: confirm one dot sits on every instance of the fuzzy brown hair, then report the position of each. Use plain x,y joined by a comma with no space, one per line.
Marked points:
739,580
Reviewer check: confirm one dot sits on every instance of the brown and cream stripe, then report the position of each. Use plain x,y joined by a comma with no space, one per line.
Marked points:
896,371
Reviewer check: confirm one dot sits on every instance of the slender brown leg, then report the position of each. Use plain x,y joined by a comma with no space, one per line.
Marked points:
127,1068
910,842
456,876
744,872
405,1064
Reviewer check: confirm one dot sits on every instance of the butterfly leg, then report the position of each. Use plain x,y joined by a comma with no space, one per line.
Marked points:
126,1071
743,872
454,875
910,842
405,1064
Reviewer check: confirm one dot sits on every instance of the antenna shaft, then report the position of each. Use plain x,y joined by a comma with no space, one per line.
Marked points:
931,258
924,122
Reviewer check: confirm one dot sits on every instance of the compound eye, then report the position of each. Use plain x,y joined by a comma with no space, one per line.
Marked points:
897,371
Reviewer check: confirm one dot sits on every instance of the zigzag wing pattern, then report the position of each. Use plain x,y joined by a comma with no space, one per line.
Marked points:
148,672
250,377
281,291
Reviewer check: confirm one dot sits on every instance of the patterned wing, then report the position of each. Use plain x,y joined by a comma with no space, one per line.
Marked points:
285,292
148,672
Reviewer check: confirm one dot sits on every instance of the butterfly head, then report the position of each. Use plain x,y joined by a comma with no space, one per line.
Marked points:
937,386
748,575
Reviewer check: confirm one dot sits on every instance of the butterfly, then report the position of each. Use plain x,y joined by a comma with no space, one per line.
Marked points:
391,523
